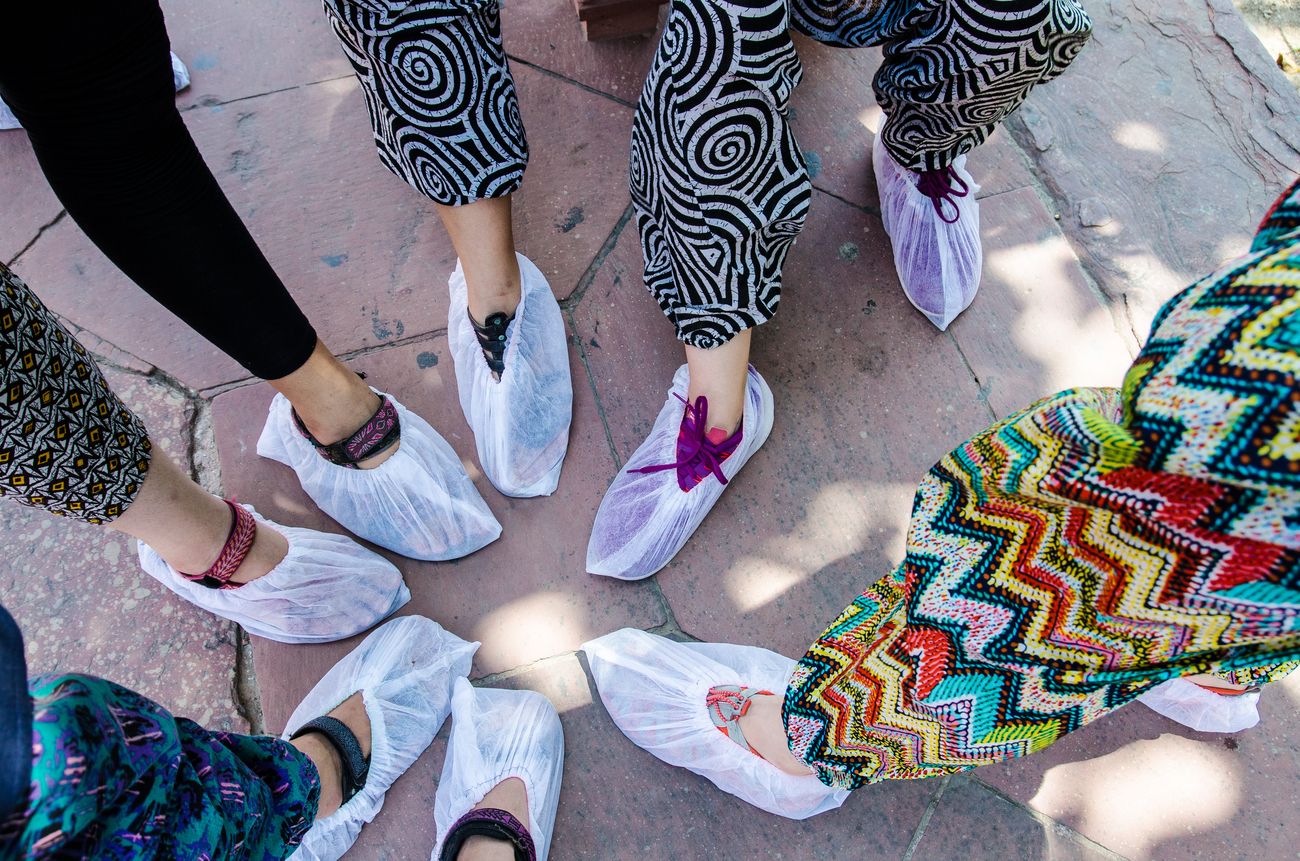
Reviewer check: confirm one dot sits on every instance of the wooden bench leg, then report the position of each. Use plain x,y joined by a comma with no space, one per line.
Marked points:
614,19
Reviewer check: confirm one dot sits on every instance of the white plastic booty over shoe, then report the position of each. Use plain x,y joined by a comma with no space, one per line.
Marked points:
419,502
404,671
1204,711
645,517
655,688
939,263
496,735
327,587
520,422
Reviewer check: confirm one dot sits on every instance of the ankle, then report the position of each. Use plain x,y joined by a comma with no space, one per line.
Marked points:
503,299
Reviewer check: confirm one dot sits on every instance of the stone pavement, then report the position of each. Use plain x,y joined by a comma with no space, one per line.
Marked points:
1143,167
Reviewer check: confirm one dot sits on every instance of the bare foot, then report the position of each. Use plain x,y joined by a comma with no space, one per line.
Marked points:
765,731
352,712
511,796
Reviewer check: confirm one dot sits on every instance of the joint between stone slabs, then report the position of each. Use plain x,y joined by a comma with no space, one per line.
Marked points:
40,231
214,102
598,260
566,79
1048,822
926,815
248,701
860,207
981,391
493,679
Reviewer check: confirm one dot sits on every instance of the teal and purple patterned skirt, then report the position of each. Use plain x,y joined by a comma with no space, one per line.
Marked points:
116,776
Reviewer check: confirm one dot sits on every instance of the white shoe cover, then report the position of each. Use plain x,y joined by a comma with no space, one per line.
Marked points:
404,671
521,422
495,735
645,518
654,689
328,587
419,502
938,264
1204,711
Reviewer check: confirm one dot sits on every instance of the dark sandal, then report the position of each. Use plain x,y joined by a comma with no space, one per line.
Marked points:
243,531
492,339
355,766
489,822
380,433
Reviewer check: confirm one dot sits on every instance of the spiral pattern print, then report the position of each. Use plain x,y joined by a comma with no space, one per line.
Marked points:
718,183
438,89
953,69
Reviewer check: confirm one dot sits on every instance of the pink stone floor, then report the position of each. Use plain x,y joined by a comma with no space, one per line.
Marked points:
1143,167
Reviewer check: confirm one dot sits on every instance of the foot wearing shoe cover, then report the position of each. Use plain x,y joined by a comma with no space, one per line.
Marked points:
327,587
403,673
932,219
669,697
500,783
512,374
419,502
1205,703
673,480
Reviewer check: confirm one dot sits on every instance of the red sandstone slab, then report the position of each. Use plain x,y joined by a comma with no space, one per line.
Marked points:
618,802
240,48
868,396
1035,326
975,823
525,596
80,284
29,204
363,253
85,606
1148,788
1164,143
547,34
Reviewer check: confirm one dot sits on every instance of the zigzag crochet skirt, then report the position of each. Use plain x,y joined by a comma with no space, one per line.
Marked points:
1079,552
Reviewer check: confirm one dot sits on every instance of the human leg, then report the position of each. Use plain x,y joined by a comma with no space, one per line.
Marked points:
445,116
720,192
114,772
69,446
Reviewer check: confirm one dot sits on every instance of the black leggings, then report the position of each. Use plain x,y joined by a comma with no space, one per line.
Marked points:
95,93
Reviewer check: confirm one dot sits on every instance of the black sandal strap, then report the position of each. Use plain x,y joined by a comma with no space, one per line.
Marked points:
489,822
492,339
380,433
355,766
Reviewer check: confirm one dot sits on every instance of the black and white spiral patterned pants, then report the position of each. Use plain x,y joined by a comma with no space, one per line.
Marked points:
718,182
441,99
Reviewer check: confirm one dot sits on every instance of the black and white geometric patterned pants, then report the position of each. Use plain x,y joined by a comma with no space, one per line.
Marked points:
718,183
67,444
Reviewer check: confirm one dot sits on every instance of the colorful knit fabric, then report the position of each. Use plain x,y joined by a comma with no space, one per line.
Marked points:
115,776
1083,550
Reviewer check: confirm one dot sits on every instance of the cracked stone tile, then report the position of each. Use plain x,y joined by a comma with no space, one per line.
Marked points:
84,604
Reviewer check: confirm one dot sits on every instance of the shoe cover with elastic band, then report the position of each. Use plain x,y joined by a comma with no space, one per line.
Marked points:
419,502
495,735
1204,711
327,587
404,671
520,422
655,690
646,518
939,263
